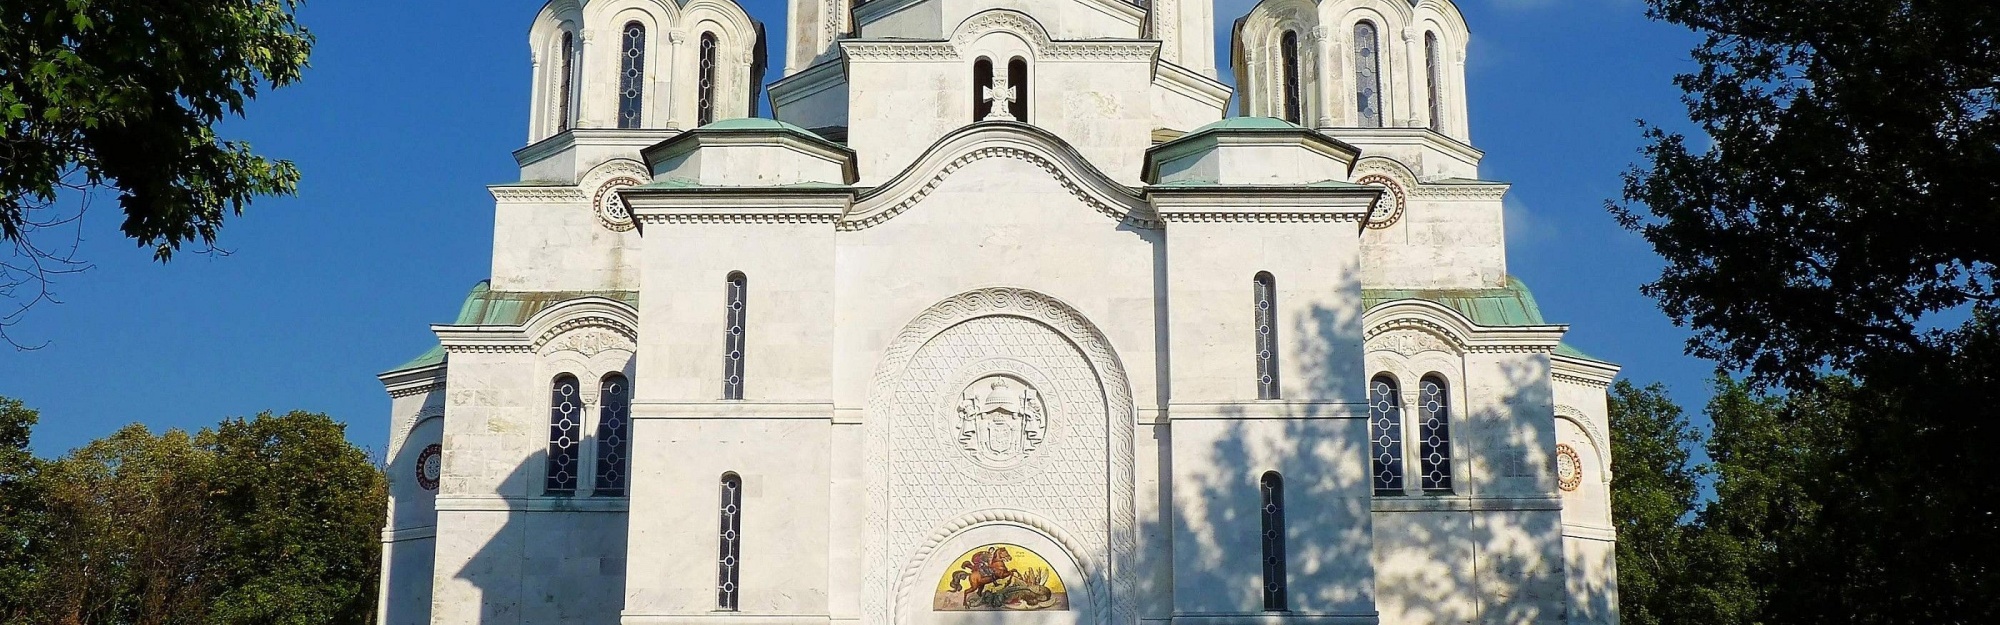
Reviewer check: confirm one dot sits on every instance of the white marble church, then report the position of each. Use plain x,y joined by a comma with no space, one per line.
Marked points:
1000,316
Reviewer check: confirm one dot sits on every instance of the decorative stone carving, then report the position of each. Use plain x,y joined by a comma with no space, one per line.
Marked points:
430,467
1389,208
589,342
1001,421
1410,343
1569,468
603,185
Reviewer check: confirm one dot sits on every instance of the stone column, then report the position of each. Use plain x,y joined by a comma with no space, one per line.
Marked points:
675,101
1326,76
590,103
1415,101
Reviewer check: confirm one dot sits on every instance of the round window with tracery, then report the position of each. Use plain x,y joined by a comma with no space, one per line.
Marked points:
611,209
430,467
1389,208
1569,468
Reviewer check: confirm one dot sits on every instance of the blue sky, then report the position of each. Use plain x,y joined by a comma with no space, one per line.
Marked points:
411,108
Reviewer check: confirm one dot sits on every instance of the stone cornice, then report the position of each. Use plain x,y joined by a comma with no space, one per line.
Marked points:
1428,503
1583,371
505,503
416,381
1457,330
515,194
1262,204
720,409
739,205
1190,83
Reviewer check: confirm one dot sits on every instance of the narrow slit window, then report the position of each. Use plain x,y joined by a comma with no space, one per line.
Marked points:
1434,432
1367,74
566,82
982,80
1385,429
729,561
632,76
565,436
1272,489
705,100
1288,49
1017,77
1266,311
738,289
1431,69
614,437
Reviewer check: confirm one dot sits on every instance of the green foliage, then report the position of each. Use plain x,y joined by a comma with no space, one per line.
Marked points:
1834,237
272,519
21,518
1846,192
125,94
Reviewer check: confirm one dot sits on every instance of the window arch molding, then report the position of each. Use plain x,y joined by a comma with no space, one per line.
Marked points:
545,44
1262,83
738,64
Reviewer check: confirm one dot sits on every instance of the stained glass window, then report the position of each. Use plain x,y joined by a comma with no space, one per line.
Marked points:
732,339
1431,71
1288,47
632,77
565,436
705,99
1266,311
729,561
1272,489
1434,434
565,96
614,437
1385,431
1368,74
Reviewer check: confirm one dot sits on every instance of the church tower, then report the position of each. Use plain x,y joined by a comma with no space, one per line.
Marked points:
997,316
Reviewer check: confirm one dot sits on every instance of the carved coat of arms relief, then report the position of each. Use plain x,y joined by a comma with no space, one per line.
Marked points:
1001,420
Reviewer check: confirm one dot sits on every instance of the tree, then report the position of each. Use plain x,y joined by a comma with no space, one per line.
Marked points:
124,95
268,520
1665,564
298,513
1833,235
21,518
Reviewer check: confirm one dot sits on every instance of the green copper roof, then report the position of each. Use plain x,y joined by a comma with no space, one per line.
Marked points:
487,307
1510,305
758,123
1234,123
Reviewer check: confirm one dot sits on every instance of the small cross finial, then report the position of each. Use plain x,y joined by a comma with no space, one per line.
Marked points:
1002,96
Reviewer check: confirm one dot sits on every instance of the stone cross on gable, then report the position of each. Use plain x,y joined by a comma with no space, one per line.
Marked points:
1002,96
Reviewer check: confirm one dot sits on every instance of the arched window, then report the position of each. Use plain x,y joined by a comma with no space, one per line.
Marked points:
1367,74
566,91
1266,310
1431,71
1272,489
729,561
737,291
1434,433
614,436
565,436
1385,431
1288,48
632,77
705,98
1017,77
982,79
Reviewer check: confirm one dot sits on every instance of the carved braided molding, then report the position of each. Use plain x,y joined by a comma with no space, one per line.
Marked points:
1579,380
1001,20
402,435
1597,437
537,195
416,390
885,577
616,326
739,218
1413,342
1016,141
1261,217
487,349
898,51
1460,192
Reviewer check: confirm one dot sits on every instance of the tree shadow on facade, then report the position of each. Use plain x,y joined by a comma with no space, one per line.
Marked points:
1489,551
529,558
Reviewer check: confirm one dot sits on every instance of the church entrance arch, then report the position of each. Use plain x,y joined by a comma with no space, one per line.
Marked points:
1000,417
